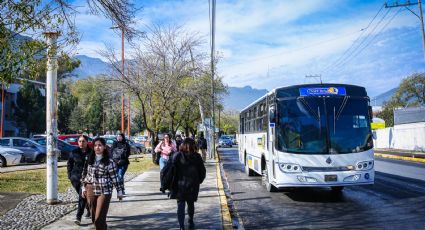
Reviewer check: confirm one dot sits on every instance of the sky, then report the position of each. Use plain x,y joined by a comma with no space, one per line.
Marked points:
267,44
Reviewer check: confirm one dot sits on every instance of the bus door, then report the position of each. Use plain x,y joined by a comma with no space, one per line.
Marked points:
272,156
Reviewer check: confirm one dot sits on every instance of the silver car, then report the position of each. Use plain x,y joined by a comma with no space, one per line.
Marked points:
9,156
33,152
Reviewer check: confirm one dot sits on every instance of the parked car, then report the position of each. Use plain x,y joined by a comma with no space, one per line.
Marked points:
140,139
110,142
9,156
38,135
234,141
225,141
72,139
63,146
134,149
139,147
33,152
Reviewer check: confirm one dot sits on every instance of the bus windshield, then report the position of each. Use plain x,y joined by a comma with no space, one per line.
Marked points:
323,125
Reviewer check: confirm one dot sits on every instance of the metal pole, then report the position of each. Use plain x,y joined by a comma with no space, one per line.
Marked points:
128,118
122,95
422,25
51,118
212,76
2,109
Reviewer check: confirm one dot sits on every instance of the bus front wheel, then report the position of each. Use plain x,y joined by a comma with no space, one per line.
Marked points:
266,181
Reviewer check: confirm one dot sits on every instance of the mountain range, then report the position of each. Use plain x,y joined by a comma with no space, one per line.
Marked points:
236,99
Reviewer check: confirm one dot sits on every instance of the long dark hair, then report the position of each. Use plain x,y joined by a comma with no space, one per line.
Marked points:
188,146
123,137
92,157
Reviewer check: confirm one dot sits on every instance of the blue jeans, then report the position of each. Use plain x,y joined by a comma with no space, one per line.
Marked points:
121,171
162,163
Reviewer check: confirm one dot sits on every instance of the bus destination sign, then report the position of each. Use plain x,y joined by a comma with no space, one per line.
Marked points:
323,91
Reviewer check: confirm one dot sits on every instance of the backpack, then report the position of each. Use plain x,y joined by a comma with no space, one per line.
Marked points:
119,154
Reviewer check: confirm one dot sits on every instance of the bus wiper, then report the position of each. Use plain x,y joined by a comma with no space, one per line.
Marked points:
344,102
315,115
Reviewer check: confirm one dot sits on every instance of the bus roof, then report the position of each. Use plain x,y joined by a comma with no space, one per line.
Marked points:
294,91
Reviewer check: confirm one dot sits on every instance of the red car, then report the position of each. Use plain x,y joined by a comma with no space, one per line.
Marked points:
72,139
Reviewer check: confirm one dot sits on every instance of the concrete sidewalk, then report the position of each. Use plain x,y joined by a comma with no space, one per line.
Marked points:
145,207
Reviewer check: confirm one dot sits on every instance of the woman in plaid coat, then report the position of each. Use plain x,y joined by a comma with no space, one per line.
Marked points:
98,179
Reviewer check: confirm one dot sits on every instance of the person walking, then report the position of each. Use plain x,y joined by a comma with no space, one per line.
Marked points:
98,180
166,147
75,165
120,152
190,173
202,145
179,141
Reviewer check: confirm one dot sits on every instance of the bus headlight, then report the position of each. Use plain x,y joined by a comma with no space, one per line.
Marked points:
364,165
353,177
290,168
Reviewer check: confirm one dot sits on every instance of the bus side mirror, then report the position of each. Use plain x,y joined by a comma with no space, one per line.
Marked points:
374,135
272,115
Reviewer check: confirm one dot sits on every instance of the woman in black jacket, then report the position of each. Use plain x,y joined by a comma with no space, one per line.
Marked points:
120,153
75,165
190,173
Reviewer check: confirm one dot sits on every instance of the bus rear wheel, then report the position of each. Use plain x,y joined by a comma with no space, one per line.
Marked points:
266,181
248,171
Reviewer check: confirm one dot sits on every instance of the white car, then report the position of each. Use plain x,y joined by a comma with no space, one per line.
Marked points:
9,156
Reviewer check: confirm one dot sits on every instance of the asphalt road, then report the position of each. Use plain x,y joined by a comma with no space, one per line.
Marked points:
395,201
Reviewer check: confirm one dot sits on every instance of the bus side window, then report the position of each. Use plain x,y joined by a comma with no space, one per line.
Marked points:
272,114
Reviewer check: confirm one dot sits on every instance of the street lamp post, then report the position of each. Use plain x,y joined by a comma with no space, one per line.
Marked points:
51,119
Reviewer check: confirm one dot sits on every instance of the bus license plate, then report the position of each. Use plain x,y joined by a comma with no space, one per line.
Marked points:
329,178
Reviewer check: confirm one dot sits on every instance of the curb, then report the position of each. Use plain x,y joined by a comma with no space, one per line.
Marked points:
389,156
225,213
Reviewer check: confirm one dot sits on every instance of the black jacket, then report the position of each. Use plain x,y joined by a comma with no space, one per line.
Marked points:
76,163
120,151
190,173
202,143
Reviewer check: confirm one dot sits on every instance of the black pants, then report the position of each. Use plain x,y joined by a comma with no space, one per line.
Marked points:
82,202
180,211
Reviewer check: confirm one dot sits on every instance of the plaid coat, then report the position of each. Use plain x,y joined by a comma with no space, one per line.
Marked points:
103,178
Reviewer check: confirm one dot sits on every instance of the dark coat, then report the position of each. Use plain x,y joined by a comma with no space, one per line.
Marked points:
202,143
190,173
76,163
120,151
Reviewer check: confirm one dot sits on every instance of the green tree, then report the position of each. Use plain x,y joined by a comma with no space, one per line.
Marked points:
30,109
67,103
22,23
229,122
410,93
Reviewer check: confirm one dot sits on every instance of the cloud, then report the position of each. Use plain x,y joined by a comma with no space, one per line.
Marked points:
270,43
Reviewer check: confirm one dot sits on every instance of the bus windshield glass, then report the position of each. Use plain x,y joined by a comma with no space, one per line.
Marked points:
323,125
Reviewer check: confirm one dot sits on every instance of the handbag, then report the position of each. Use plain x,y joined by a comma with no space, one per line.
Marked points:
157,156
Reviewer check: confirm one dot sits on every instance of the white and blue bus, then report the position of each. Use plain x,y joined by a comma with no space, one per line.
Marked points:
315,135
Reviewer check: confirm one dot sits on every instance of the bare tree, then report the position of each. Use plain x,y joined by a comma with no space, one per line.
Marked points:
166,77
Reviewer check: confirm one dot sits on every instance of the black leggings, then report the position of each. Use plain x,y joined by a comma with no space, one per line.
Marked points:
180,210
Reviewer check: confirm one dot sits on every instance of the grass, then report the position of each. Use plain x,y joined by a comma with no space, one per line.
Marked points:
34,181
141,165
